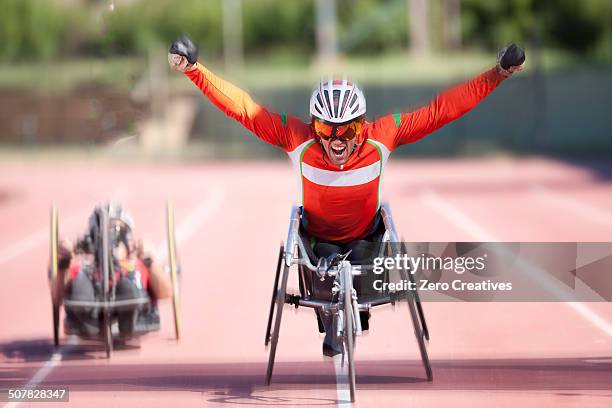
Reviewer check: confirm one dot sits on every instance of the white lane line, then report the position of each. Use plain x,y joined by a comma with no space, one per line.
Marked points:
41,236
591,316
343,392
44,371
457,217
584,210
190,224
37,238
467,224
195,219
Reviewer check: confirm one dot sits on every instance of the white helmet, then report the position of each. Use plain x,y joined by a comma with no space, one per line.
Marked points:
117,212
337,101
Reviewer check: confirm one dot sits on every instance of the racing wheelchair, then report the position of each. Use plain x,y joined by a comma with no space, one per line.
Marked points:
106,303
344,303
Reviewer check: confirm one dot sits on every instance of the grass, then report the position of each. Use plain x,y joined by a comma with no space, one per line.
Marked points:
61,76
277,70
395,68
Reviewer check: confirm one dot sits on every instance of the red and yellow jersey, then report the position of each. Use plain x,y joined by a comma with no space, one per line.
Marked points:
340,203
137,266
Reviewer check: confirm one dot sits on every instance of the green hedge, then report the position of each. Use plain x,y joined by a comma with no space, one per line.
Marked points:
36,29
30,29
584,26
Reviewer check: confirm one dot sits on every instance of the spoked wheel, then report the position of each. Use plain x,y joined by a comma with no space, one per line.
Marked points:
349,330
273,298
279,300
172,259
106,277
53,271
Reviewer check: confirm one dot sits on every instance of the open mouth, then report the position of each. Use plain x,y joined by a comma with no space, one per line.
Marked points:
338,151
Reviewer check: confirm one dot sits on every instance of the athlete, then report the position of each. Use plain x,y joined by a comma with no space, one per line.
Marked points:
339,155
138,275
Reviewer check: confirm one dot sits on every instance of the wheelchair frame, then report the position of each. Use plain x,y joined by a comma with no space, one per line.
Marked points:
110,304
347,306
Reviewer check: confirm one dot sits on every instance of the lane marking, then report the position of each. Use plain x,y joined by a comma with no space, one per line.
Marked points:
190,224
591,316
36,239
49,365
584,210
343,392
461,220
41,236
456,216
194,219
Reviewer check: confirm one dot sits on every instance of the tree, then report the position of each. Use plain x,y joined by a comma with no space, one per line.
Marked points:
419,26
325,17
451,24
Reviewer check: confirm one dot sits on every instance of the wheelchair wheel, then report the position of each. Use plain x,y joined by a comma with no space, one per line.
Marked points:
173,268
108,335
420,337
418,332
417,299
418,321
105,256
349,331
279,297
53,270
273,298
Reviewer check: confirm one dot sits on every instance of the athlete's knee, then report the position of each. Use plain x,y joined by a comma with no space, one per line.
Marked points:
82,288
362,251
127,288
325,250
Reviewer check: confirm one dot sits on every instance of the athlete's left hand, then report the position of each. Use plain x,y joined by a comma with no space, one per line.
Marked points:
510,59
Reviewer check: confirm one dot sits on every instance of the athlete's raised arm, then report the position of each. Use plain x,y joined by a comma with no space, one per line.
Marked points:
450,104
233,101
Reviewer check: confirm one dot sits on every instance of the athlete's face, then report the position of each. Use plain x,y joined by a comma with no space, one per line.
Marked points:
338,150
338,140
124,243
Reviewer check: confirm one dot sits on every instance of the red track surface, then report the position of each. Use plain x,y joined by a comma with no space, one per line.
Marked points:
231,217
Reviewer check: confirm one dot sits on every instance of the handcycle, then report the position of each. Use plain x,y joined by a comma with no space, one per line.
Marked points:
345,302
106,303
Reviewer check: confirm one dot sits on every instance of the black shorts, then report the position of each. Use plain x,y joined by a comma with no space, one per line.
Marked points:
362,253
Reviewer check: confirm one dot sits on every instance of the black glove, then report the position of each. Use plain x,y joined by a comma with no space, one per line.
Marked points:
511,58
183,54
64,256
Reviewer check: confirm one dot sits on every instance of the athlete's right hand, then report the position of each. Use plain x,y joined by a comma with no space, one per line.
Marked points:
183,54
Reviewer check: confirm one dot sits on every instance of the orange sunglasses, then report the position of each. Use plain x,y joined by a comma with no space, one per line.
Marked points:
344,132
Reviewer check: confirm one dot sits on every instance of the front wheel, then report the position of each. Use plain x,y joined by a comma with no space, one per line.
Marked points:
108,334
349,332
172,259
106,289
56,322
279,299
53,271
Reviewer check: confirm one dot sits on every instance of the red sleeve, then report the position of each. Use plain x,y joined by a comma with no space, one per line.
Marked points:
398,129
145,273
74,269
278,130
